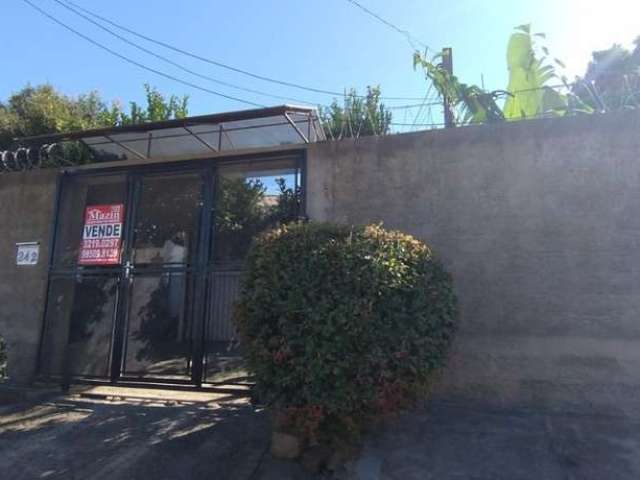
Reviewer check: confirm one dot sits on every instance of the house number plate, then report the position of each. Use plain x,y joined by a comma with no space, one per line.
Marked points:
27,253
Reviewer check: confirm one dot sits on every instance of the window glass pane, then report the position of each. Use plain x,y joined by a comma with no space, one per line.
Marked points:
159,327
250,198
167,219
80,316
79,193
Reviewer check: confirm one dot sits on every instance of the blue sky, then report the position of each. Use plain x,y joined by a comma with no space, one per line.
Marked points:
328,44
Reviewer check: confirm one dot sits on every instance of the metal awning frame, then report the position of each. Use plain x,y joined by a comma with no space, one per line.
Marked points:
219,123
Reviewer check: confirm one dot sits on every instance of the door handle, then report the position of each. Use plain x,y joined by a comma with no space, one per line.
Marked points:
128,267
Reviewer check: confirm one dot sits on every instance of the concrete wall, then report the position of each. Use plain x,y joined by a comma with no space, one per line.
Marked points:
539,223
26,210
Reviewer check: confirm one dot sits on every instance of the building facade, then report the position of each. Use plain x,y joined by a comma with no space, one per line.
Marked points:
537,221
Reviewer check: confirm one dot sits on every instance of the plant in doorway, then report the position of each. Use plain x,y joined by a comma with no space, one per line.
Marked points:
341,327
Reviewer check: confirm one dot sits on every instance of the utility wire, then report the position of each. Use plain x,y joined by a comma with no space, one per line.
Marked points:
220,64
175,64
483,122
426,96
404,124
414,105
192,72
144,67
410,38
136,63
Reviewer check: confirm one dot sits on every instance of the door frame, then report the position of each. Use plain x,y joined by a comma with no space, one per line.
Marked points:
129,271
200,269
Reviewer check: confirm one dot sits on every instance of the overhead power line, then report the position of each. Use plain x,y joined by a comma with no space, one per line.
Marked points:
426,96
416,105
136,63
223,65
176,64
410,38
172,77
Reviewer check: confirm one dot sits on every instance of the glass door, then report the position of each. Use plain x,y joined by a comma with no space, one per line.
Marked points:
124,299
85,277
160,324
145,271
250,196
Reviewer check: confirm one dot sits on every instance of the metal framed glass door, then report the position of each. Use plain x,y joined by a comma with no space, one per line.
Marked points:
145,271
84,292
159,320
125,285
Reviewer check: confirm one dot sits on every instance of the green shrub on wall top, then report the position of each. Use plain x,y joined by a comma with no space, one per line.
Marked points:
342,323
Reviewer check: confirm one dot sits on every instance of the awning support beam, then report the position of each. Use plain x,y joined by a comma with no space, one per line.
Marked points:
201,140
295,127
128,149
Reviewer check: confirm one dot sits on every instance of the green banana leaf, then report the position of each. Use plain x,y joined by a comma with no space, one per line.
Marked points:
528,95
470,103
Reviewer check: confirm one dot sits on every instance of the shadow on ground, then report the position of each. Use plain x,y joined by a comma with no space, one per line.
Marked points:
77,438
80,438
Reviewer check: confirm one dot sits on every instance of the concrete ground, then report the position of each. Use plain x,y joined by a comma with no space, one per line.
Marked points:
448,442
221,436
142,436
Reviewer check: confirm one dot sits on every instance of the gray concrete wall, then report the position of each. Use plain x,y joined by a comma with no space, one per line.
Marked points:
539,223
26,209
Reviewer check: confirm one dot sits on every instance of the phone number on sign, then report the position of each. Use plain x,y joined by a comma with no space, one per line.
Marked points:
101,243
99,254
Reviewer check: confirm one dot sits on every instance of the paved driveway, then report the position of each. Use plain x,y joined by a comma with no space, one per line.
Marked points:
78,438
223,437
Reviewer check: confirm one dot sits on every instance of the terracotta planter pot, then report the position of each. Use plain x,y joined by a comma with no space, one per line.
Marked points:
285,445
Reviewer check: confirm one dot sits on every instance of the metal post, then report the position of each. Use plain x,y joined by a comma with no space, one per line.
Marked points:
447,64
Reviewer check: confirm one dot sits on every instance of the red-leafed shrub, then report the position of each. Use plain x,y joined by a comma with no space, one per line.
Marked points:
342,323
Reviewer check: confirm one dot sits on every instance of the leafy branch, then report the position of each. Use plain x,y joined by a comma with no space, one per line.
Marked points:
528,93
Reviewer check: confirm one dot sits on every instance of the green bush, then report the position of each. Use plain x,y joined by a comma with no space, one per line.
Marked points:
341,324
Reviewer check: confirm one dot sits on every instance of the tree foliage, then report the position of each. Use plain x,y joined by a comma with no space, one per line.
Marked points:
357,116
158,108
612,79
243,210
42,110
342,323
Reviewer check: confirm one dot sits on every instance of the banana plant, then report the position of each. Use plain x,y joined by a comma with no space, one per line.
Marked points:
469,103
528,93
